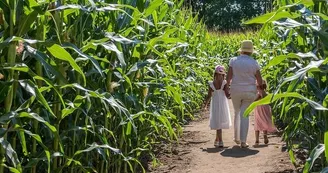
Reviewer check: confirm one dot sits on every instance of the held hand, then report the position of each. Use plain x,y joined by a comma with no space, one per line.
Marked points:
204,107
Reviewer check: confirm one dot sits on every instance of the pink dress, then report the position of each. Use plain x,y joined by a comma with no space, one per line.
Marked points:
263,119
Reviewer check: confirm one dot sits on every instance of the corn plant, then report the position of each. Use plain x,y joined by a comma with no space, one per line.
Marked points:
296,70
93,86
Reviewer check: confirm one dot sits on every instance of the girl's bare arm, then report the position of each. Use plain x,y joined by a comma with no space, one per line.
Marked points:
258,97
209,95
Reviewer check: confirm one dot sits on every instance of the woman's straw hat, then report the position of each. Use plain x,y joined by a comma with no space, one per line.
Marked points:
220,69
246,46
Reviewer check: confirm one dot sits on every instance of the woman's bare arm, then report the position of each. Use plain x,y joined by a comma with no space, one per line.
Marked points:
229,76
226,91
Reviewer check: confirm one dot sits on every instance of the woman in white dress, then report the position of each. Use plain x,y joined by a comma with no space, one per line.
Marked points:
219,108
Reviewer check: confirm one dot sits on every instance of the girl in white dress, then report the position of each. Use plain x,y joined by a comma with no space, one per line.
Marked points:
219,108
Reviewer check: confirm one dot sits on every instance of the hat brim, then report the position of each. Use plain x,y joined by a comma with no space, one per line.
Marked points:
246,50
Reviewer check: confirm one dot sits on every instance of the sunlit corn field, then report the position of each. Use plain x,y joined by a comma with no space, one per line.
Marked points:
96,85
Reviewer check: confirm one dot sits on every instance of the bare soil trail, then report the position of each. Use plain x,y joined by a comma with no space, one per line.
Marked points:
196,153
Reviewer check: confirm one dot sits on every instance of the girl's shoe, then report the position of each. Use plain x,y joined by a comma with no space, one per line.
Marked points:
218,144
266,140
244,145
257,143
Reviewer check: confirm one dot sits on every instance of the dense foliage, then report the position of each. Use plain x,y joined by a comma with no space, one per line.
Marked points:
227,15
294,61
92,86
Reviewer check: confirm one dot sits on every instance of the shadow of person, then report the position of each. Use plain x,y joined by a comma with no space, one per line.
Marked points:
214,149
260,145
238,152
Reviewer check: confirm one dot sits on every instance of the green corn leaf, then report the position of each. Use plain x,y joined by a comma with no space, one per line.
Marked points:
26,22
11,169
42,58
315,153
112,47
32,88
67,111
39,140
292,157
11,154
94,146
26,69
325,170
60,53
326,145
152,6
77,50
4,88
269,17
38,118
5,7
312,66
21,136
271,98
26,104
140,65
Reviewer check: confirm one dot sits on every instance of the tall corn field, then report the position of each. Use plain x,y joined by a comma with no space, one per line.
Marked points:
96,85
93,86
294,60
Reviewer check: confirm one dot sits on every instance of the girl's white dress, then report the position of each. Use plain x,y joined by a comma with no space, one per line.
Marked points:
219,108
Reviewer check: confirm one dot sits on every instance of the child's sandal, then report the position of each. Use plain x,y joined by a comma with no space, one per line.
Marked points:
266,140
218,144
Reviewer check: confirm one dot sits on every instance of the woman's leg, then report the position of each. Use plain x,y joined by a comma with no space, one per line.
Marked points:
236,102
248,99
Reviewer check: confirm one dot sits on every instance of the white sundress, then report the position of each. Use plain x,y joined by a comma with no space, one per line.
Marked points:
219,108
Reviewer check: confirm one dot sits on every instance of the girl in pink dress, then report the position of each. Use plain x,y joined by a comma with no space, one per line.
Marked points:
263,117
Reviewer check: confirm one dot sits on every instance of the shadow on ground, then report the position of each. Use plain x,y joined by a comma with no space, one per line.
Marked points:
238,152
214,149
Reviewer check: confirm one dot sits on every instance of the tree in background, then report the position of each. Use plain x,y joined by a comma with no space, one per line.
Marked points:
227,15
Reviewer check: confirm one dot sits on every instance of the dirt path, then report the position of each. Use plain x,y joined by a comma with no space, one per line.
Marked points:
196,153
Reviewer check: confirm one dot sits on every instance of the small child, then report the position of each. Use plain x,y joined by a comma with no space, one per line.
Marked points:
263,119
219,108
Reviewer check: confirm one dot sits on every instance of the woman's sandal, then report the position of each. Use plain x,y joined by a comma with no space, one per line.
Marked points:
237,142
244,145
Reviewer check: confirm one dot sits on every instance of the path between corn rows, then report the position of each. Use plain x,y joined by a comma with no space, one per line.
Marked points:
196,153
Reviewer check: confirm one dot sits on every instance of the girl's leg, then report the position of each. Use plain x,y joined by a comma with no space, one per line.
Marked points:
219,135
266,140
257,136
